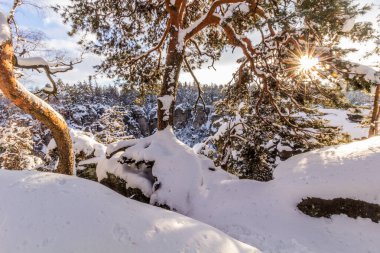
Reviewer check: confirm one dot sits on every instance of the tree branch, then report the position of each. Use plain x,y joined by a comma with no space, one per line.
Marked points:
200,92
155,48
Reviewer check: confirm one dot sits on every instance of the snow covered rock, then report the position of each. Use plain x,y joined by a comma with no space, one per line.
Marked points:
266,214
172,172
263,214
83,143
341,118
43,212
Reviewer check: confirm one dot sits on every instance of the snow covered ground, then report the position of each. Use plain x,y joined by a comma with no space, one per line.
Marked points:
265,214
339,118
43,212
73,214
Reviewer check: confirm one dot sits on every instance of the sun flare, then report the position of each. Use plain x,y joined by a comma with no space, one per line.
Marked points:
307,63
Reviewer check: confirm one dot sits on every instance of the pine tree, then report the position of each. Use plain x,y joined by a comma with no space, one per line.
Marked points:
148,42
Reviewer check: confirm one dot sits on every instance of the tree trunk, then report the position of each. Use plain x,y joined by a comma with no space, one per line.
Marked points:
36,107
166,100
374,127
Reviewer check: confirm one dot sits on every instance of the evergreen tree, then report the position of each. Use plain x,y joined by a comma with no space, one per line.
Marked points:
147,42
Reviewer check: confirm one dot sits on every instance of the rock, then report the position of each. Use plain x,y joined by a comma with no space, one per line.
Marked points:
141,118
200,116
119,185
182,116
356,118
317,207
89,172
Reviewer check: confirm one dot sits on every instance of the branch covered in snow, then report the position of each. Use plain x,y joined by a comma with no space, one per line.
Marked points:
5,32
50,69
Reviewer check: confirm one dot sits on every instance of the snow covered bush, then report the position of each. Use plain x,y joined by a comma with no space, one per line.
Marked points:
17,148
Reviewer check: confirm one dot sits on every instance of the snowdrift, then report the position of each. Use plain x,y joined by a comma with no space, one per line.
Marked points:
43,212
260,214
265,214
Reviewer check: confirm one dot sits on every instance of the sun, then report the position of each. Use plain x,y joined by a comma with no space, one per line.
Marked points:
307,63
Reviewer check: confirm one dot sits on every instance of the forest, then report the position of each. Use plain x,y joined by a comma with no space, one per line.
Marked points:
190,126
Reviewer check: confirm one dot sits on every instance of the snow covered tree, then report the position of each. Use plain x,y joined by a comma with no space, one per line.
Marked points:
27,101
290,49
17,147
250,144
137,36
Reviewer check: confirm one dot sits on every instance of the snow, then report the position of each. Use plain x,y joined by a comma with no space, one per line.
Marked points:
5,32
349,25
32,61
368,73
43,212
339,118
41,62
232,8
133,177
265,214
180,172
166,103
82,142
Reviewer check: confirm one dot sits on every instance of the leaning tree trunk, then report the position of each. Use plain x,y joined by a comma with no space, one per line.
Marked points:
36,107
166,100
374,127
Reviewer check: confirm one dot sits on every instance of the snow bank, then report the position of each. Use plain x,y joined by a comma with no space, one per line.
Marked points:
369,74
348,171
339,118
44,212
5,32
263,214
181,174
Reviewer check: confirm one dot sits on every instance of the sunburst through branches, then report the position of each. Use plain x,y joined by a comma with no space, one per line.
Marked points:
307,61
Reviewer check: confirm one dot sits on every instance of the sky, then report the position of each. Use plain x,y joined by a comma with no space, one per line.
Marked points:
57,38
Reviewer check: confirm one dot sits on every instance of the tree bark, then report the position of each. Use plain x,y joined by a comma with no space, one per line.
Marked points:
175,54
374,127
36,107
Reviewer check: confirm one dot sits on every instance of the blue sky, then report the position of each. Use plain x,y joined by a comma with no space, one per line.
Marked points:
51,24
